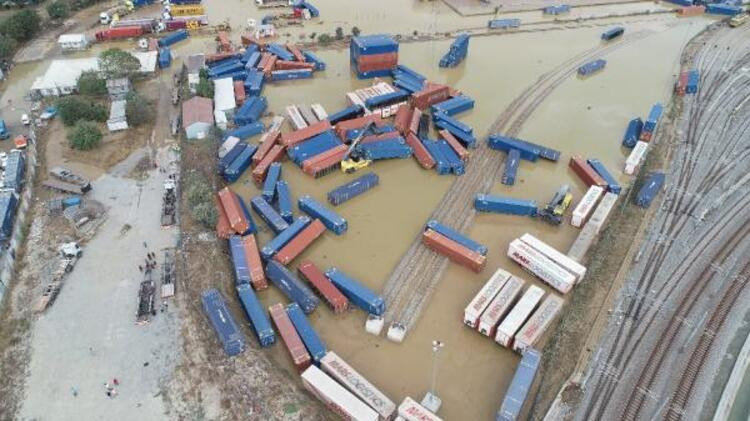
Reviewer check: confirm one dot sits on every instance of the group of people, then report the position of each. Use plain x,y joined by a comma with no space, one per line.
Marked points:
150,262
111,390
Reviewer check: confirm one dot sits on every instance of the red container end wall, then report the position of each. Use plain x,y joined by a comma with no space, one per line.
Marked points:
267,141
293,65
403,118
300,356
420,152
645,136
297,136
300,242
324,166
430,96
587,174
254,264
416,115
270,63
210,58
260,170
239,92
335,299
455,144
223,230
327,156
357,123
296,52
234,211
453,250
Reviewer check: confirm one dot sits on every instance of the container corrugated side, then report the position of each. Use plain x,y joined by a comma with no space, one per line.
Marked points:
410,410
222,321
339,400
512,162
484,297
457,237
611,184
332,220
300,242
601,213
544,268
306,332
239,262
499,306
300,357
587,174
291,286
583,242
454,251
254,264
295,117
509,205
269,184
588,202
577,269
352,189
534,328
257,316
268,214
633,162
335,299
356,292
518,390
518,315
284,200
284,237
259,172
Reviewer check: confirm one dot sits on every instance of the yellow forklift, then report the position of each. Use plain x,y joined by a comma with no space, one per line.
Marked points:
351,162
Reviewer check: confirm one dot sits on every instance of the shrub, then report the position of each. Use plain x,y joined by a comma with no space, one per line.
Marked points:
206,214
198,191
205,88
116,63
73,108
339,33
7,46
325,39
356,31
137,109
58,10
84,136
21,26
90,83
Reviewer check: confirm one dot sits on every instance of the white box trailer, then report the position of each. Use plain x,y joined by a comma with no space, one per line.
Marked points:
500,306
583,243
541,266
484,297
319,111
601,213
534,328
633,163
276,123
577,269
410,410
518,315
337,368
227,146
587,204
295,117
339,400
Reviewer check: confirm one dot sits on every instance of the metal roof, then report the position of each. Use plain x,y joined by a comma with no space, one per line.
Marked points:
224,94
197,109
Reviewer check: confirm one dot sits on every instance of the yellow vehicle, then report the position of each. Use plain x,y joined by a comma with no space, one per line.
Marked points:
560,208
738,20
351,163
186,10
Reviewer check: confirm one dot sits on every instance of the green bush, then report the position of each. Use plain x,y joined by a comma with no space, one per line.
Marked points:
90,83
356,31
21,26
58,10
198,191
7,46
325,39
116,63
73,108
339,33
206,214
84,136
205,88
137,109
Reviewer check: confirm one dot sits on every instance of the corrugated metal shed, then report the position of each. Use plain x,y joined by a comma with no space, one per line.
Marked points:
73,41
197,117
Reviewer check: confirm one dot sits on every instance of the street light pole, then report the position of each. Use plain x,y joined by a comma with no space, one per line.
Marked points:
436,347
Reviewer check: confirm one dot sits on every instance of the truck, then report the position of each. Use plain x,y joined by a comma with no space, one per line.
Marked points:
484,297
68,176
543,267
506,331
336,397
114,13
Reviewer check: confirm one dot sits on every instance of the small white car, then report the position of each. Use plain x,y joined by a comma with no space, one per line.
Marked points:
25,119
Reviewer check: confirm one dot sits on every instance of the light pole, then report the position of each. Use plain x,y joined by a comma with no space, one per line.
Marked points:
436,347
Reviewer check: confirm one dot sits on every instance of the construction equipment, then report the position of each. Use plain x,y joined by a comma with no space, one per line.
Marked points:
169,203
739,20
71,250
113,14
555,209
351,161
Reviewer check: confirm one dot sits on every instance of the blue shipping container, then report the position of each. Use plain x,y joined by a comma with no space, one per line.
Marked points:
723,9
346,114
613,33
240,164
401,69
251,62
466,139
372,74
15,168
226,68
504,23
500,204
252,229
442,165
649,190
257,316
268,214
294,74
632,133
385,149
358,294
352,189
269,185
653,117
250,111
591,67
312,58
223,322
71,201
373,44
453,105
556,10
529,151
450,121
693,81
291,286
165,58
254,82
512,161
313,146
280,51
249,51
246,132
407,85
457,52
332,220
456,164
612,184
284,198
239,263
173,37
456,236
386,99
516,395
8,204
284,237
310,338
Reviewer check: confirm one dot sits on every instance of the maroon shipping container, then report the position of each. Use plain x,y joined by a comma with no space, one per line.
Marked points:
254,264
296,52
300,242
293,65
453,250
374,59
247,39
338,302
691,10
300,356
681,84
264,57
455,144
357,123
232,207
403,118
269,65
420,152
587,174
416,115
210,58
323,157
223,230
260,170
297,136
173,25
645,136
378,137
267,141
119,33
430,95
239,92
322,164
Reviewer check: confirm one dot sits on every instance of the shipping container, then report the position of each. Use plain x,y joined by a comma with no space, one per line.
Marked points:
601,213
280,51
373,44
453,106
457,147
504,23
300,357
416,117
343,127
268,214
649,189
358,294
8,207
385,149
223,322
529,151
515,397
484,297
682,2
255,265
352,189
306,332
333,221
613,33
724,9
430,96
266,143
575,268
458,167
340,401
260,170
345,374
164,57
280,240
186,10
518,315
403,118
246,131
227,146
410,410
258,318
335,299
465,138
442,166
501,204
646,136
611,184
584,170
324,163
423,157
294,289
229,66
556,10
254,82
512,161
456,236
306,132
450,122
233,172
284,201
500,305
313,146
592,67
234,213
588,202
319,111
633,162
300,242
269,184
457,52
534,328
231,155
543,267
173,37
13,174
239,262
691,11
346,114
583,242
251,111
387,99
312,58
633,132
693,80
246,213
291,74
653,117
295,118
454,251
307,113
223,229
239,92
119,33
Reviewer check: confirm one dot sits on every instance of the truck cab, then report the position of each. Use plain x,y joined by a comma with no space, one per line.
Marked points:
4,134
70,250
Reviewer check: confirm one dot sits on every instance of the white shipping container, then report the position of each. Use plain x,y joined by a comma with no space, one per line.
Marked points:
500,306
635,157
276,122
319,111
541,266
537,324
338,399
583,243
410,410
337,368
295,117
601,213
518,315
586,206
227,146
484,297
577,269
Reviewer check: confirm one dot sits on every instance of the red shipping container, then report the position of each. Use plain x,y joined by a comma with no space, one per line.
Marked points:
270,63
296,52
379,137
430,95
153,44
645,136
403,118
264,57
587,174
420,152
239,92
223,230
455,144
357,123
223,39
119,33
210,58
260,170
416,115
300,242
390,59
247,39
297,136
454,251
293,65
320,167
681,83
267,141
173,25
338,302
232,207
375,67
324,157
300,356
691,11
254,264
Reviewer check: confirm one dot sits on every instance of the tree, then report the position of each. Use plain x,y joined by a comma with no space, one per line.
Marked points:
356,31
339,33
90,83
7,46
137,109
116,63
21,26
58,10
73,108
205,88
325,39
84,136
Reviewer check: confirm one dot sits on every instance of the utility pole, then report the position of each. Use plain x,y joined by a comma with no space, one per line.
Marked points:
431,401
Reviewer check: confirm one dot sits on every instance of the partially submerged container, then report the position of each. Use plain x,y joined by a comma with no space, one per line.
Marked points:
453,106
633,162
284,237
601,213
484,297
518,315
528,150
454,251
257,316
504,23
500,305
300,242
254,263
653,117
587,204
565,262
246,131
261,169
332,220
420,152
300,357
535,327
269,184
333,297
291,286
307,333
501,204
223,322
239,262
592,67
284,199
358,294
543,267
173,38
268,214
633,132
611,184
586,172
512,161
336,397
649,190
519,387
410,410
457,237
613,33
241,163
352,189
232,207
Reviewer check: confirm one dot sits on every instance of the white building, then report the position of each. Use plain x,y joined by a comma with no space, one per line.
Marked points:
197,117
193,66
73,42
224,96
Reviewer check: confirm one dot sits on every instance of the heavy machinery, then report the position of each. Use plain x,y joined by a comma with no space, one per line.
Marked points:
739,20
351,161
116,12
555,209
